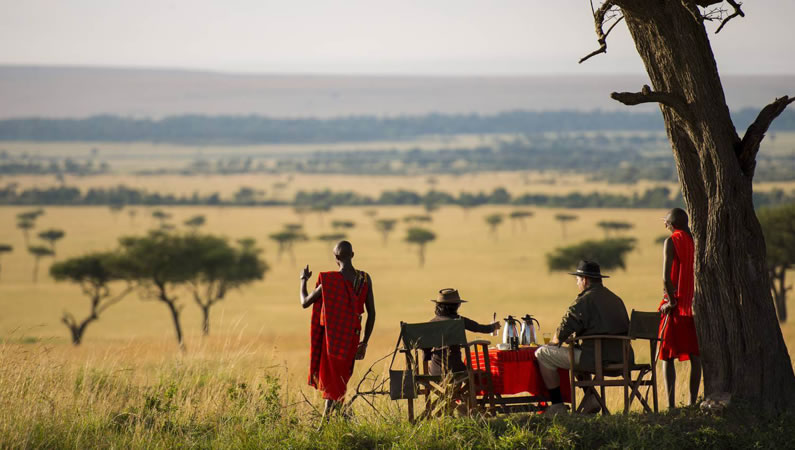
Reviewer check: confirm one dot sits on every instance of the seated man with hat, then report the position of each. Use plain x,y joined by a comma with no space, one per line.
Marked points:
449,359
596,310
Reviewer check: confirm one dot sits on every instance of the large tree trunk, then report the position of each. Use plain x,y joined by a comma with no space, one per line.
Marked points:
742,347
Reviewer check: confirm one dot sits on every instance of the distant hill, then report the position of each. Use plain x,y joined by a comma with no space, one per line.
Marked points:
71,92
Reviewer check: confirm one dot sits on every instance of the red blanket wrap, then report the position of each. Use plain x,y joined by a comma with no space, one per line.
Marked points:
336,324
677,329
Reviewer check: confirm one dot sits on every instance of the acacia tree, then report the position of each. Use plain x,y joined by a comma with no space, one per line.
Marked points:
52,236
217,267
5,248
286,239
493,221
743,350
614,226
563,218
158,263
161,217
778,225
332,237
609,253
385,227
94,273
343,224
26,225
195,222
520,217
420,237
38,252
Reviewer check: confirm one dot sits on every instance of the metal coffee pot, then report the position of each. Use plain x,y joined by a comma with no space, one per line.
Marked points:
510,334
529,333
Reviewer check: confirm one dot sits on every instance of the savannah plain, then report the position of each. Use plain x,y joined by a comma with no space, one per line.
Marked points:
259,335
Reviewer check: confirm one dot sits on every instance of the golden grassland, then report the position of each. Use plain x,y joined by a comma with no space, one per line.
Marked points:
262,327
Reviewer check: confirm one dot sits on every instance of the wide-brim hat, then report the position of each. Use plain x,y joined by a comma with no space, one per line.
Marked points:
588,269
448,296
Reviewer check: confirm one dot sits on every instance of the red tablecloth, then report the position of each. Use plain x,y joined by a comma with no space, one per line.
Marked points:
516,371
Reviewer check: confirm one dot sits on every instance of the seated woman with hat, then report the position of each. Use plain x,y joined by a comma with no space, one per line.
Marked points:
449,359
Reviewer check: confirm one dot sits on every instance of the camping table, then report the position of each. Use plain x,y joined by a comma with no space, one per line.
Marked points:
517,372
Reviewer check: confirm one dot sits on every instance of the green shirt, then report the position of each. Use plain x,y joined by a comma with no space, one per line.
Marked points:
596,310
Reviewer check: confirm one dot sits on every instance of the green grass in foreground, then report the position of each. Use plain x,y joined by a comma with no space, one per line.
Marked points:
202,401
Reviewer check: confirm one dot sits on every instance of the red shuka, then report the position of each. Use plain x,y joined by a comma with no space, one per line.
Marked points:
677,329
336,323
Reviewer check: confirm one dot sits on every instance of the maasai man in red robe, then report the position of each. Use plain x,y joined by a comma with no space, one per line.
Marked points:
338,301
677,333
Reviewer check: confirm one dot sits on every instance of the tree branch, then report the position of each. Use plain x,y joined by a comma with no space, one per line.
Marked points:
114,300
737,12
646,95
749,146
600,18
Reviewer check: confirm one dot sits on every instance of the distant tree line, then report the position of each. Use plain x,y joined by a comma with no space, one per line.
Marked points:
258,129
320,201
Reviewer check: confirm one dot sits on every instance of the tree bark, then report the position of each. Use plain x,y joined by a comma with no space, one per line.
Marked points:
205,320
172,308
743,351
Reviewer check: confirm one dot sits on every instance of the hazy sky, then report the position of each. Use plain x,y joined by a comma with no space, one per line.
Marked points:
463,37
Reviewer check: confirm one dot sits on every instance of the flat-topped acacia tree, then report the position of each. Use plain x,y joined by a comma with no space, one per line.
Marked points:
38,252
94,273
385,227
216,267
52,236
420,237
158,263
563,218
494,221
742,347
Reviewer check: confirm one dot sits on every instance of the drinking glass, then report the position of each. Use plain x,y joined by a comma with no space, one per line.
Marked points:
547,338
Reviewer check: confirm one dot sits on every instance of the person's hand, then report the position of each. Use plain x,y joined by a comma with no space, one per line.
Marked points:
495,326
361,351
667,307
306,273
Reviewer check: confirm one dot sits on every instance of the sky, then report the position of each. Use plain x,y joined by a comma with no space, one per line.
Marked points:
428,37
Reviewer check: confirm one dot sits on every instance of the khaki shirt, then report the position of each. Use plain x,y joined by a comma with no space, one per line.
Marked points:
596,310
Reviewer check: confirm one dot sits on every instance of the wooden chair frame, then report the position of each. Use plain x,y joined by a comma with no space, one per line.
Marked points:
620,372
438,390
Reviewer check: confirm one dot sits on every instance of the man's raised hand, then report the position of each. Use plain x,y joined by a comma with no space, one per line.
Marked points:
306,273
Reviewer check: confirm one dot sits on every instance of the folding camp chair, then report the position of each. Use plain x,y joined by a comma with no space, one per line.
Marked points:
440,390
643,325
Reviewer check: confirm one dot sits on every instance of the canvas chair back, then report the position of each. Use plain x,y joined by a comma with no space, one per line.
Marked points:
442,333
644,325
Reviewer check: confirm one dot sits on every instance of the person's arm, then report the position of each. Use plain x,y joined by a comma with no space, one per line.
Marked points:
369,306
308,300
669,253
573,322
475,327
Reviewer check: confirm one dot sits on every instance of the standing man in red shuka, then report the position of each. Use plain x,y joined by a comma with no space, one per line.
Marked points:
677,329
338,301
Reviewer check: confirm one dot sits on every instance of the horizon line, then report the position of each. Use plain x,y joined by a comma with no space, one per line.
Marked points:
245,73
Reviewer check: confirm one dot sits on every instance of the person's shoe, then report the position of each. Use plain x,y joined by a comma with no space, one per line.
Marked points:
555,409
591,405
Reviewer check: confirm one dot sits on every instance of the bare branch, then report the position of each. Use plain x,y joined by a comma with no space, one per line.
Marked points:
115,299
646,95
749,146
601,17
737,12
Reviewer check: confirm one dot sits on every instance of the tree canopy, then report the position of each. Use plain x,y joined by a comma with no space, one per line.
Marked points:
609,253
